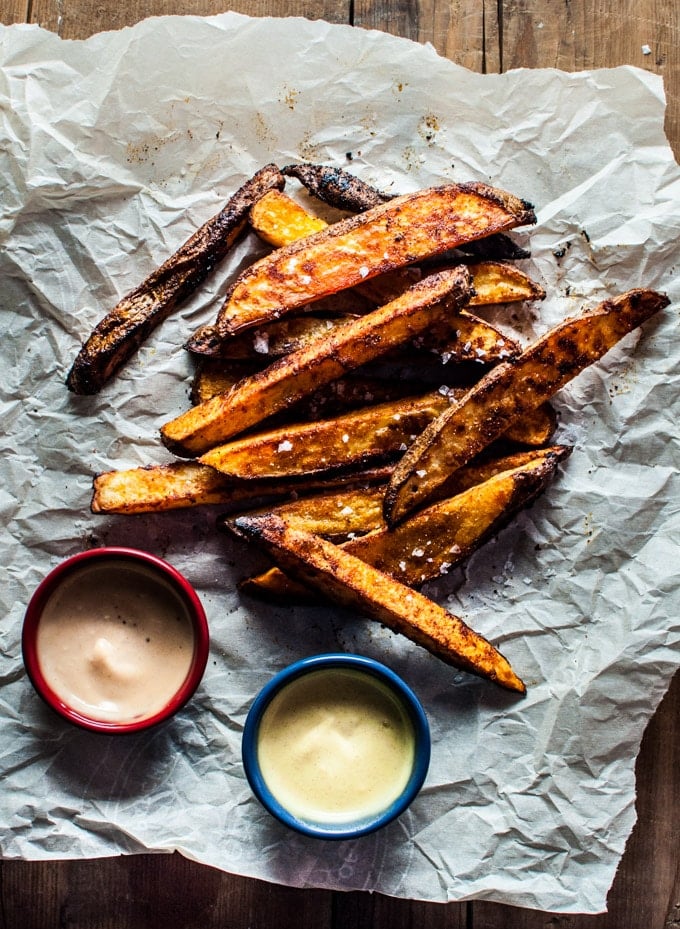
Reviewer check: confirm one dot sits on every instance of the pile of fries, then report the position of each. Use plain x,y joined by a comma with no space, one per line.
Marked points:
351,412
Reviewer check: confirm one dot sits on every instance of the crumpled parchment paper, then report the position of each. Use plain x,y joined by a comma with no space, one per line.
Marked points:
112,151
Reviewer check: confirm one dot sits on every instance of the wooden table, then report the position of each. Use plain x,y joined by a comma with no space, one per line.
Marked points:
147,891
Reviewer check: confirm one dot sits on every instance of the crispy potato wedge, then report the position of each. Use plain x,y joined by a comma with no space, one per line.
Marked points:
181,484
300,373
358,437
340,515
120,333
424,546
386,237
432,540
333,514
372,433
508,392
463,338
350,582
345,191
280,220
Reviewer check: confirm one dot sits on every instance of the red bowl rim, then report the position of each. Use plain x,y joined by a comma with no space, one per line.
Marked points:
181,586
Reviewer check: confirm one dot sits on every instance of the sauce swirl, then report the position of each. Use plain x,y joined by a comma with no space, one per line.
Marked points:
335,746
115,642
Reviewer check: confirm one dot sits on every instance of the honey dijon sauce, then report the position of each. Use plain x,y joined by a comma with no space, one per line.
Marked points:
115,642
335,746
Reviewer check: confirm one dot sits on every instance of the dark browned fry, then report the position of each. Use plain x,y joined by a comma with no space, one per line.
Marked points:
508,392
336,187
120,333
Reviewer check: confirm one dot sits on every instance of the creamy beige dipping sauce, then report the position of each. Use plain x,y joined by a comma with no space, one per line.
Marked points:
115,642
335,746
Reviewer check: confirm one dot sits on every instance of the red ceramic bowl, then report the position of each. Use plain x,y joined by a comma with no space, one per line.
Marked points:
92,580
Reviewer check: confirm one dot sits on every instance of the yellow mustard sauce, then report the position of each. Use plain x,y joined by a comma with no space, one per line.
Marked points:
115,644
335,746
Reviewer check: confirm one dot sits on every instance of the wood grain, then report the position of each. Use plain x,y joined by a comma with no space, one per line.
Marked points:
466,32
78,19
14,11
581,34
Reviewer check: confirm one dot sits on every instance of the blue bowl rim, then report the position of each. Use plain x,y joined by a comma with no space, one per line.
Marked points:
351,662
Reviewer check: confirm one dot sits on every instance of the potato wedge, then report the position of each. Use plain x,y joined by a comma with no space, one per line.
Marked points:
325,360
432,540
425,545
352,511
181,484
372,433
360,247
279,220
345,191
120,333
350,582
333,514
508,392
359,437
463,338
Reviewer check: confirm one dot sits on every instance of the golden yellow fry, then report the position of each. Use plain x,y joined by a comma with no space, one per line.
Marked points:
279,220
181,484
353,583
389,236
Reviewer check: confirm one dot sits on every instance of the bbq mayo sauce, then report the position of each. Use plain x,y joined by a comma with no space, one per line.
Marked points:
115,644
335,746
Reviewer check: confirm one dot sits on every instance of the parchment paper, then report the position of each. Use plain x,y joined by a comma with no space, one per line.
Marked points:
112,152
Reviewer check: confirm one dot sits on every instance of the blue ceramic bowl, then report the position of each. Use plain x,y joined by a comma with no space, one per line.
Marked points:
378,677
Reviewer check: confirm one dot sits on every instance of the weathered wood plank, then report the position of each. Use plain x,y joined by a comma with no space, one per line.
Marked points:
464,31
580,34
13,11
374,911
149,892
77,19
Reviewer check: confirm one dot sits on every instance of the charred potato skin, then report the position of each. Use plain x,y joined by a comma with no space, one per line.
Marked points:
336,187
121,332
